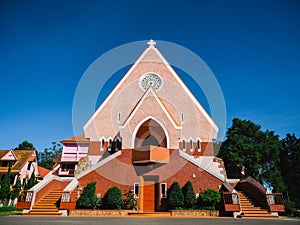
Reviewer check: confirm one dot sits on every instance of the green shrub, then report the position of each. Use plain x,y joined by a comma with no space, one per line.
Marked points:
208,199
31,182
189,195
130,202
112,199
16,189
87,199
97,203
175,196
8,208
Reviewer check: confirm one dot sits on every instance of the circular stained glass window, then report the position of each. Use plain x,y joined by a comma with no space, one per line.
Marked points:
150,79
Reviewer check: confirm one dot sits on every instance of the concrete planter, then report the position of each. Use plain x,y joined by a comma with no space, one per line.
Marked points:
199,213
86,212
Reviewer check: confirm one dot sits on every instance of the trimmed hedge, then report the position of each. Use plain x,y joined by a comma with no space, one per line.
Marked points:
112,199
87,199
190,199
175,196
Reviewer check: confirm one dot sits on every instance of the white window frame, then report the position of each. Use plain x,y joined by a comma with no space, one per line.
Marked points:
136,186
102,143
191,145
119,117
163,195
183,142
182,117
199,144
110,142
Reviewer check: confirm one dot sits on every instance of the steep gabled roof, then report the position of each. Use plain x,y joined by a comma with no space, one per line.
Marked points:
147,55
159,101
9,155
23,156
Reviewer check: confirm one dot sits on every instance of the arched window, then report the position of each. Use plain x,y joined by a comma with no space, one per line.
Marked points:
191,145
199,145
183,145
110,144
102,144
117,145
182,118
119,117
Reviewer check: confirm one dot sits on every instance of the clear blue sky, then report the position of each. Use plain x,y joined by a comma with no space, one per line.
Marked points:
253,48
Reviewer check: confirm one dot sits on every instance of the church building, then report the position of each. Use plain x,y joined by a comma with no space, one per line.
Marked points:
149,132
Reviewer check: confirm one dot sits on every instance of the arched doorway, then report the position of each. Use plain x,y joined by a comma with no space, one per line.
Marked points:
150,133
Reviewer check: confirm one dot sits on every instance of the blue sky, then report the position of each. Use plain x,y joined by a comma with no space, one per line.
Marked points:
252,47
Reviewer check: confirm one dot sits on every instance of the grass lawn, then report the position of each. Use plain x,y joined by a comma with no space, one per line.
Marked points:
9,210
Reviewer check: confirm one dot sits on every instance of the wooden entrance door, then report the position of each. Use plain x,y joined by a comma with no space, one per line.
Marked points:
149,196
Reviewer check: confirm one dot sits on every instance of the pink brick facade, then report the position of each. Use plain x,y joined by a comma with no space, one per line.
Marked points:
136,117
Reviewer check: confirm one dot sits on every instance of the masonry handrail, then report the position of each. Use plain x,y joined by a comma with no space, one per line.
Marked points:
275,198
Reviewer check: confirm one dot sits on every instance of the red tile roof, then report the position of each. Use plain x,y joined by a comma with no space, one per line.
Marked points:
79,138
43,171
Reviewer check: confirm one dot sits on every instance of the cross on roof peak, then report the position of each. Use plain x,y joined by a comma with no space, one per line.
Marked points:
151,43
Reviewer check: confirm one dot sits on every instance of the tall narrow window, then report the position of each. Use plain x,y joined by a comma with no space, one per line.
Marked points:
29,165
199,145
182,118
163,189
136,189
183,145
102,144
117,145
191,145
119,117
109,144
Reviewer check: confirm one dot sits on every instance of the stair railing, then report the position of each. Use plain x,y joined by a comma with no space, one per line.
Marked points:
275,202
231,201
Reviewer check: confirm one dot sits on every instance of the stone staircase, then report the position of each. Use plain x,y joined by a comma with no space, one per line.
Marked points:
47,205
250,210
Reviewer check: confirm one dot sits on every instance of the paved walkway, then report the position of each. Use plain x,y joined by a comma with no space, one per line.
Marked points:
31,220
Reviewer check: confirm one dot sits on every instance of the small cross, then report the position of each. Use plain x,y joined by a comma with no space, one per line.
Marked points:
151,43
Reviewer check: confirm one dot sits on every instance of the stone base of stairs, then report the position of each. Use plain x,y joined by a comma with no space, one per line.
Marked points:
150,214
250,211
47,206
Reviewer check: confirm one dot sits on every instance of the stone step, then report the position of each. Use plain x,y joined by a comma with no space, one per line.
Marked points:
47,204
268,215
250,208
256,212
45,213
44,210
44,207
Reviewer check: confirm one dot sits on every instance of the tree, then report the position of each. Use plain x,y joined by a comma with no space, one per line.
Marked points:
175,196
250,151
46,158
189,195
112,198
16,189
290,166
31,182
25,145
209,198
5,186
87,199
